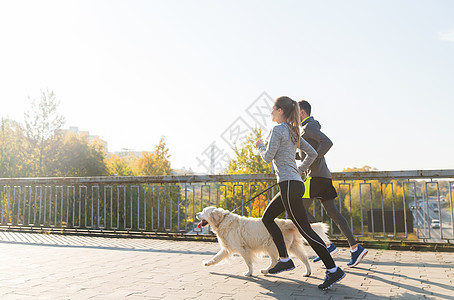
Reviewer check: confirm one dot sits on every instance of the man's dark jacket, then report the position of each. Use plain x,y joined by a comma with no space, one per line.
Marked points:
310,131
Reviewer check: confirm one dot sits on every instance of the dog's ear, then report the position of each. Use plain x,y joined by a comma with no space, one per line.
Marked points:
217,216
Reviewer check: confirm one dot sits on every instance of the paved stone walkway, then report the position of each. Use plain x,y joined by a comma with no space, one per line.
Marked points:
40,266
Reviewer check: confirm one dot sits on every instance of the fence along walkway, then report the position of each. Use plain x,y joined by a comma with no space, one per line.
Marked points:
387,204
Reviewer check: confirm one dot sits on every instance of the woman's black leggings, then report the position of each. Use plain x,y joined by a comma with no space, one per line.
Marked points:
290,199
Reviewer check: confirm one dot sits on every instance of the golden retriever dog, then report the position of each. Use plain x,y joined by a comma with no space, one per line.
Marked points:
248,237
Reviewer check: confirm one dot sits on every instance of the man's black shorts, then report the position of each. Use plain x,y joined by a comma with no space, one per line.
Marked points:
319,187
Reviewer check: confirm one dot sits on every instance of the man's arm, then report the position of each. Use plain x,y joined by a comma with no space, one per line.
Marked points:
310,155
324,143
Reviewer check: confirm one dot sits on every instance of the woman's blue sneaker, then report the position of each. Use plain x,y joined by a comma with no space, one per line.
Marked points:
332,249
357,256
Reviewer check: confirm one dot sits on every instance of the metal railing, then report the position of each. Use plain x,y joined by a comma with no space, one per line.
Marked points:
388,204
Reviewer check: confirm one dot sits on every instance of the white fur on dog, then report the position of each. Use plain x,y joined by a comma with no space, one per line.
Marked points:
248,237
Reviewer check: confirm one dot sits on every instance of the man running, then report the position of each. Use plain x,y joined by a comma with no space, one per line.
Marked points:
319,184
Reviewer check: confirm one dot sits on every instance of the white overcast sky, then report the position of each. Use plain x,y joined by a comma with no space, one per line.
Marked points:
379,74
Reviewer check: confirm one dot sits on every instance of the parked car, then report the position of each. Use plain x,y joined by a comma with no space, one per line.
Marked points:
435,207
435,223
188,190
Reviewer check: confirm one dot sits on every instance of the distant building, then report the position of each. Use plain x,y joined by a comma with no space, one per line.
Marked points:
91,138
128,153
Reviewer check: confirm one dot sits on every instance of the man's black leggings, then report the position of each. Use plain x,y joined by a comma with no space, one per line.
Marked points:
290,199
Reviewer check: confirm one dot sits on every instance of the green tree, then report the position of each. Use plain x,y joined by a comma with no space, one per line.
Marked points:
247,160
118,166
155,163
12,141
77,156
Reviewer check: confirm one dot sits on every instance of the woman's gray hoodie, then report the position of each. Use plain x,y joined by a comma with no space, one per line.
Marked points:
281,151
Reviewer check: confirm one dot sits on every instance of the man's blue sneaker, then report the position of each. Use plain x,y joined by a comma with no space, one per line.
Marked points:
332,249
357,256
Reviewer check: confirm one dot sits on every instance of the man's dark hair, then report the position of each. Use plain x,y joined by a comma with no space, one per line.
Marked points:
304,105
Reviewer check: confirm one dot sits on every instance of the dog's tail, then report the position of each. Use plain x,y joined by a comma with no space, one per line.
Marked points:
321,229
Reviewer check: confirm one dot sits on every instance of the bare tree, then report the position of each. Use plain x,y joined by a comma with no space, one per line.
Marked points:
42,123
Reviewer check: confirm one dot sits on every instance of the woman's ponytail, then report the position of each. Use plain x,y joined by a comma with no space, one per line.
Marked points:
292,113
294,122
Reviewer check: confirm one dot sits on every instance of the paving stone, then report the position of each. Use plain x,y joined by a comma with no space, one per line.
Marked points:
34,266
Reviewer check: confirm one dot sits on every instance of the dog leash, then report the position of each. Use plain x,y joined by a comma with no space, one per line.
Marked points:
244,204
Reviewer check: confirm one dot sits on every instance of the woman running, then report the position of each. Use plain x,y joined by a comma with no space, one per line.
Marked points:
284,140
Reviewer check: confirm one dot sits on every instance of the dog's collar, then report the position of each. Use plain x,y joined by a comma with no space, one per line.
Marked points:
223,217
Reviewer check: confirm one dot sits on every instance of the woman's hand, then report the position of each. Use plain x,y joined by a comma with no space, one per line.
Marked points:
259,142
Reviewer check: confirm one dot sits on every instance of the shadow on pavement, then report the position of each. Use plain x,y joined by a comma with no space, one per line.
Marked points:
417,287
112,248
416,264
290,287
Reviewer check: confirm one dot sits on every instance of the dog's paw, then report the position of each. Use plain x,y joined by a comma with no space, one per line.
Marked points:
264,271
248,273
207,263
307,274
